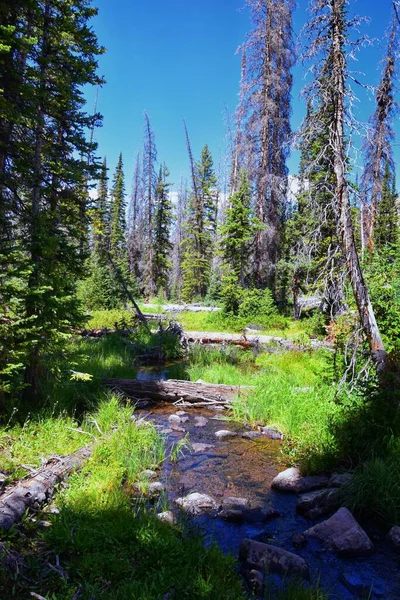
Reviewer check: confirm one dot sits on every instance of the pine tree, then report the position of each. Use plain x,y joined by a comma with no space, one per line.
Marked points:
162,229
387,219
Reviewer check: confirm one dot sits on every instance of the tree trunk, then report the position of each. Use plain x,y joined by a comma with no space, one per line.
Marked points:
178,392
37,489
360,290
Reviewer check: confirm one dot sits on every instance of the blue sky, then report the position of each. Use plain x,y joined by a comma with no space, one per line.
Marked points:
176,59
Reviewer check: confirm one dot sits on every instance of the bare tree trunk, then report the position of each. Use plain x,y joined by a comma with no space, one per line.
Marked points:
360,290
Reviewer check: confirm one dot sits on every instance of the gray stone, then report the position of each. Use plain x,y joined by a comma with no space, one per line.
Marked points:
155,488
232,502
342,533
231,514
225,434
318,503
339,479
196,504
272,559
269,512
252,435
292,480
148,474
167,517
394,537
174,420
272,433
184,419
176,427
255,580
181,413
197,447
200,422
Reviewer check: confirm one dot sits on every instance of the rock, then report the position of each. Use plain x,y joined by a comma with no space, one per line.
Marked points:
342,533
175,427
174,420
355,585
184,419
292,480
394,537
272,559
224,434
200,422
181,413
148,474
255,580
299,540
272,433
167,517
231,514
155,488
196,504
269,512
339,480
202,447
318,503
252,435
231,502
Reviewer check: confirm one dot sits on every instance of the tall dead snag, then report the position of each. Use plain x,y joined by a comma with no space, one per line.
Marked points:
378,150
328,32
150,185
264,114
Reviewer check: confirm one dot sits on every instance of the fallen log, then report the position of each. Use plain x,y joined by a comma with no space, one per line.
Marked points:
246,340
177,391
37,488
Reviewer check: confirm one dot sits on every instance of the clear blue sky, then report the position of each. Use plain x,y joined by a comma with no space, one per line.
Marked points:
176,59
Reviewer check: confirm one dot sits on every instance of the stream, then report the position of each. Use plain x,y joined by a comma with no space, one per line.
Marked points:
243,468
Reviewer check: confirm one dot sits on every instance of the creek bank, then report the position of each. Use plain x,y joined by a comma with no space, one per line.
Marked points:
234,489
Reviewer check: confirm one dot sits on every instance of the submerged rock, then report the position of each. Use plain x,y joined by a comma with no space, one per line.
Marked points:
232,502
342,533
235,515
202,447
196,504
394,537
292,480
252,435
225,434
200,422
255,579
272,559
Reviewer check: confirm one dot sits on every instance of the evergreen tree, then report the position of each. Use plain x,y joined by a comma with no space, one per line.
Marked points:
387,220
162,229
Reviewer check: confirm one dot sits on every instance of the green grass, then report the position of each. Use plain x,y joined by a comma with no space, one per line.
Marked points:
296,592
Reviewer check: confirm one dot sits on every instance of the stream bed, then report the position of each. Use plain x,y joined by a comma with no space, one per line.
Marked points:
243,468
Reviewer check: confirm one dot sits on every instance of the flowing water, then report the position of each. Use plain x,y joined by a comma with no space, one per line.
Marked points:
243,468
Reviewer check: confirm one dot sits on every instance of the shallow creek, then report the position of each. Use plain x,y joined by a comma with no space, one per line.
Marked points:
244,468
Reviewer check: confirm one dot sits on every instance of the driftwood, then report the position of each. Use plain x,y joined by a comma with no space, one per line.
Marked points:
37,488
177,391
253,340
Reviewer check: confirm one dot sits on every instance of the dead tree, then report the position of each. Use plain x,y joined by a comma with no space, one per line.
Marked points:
378,150
264,113
328,31
150,185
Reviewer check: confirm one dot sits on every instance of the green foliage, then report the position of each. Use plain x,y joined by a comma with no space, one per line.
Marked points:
111,319
161,237
383,276
296,591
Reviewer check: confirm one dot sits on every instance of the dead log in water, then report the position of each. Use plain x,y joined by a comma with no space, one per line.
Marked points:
37,488
177,391
253,340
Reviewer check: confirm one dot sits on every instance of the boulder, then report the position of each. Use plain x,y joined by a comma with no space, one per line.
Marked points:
196,504
148,474
292,480
272,559
318,503
231,514
174,420
155,488
231,502
394,537
200,422
225,434
342,533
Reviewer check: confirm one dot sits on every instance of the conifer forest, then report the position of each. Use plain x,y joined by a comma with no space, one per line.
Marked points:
200,356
